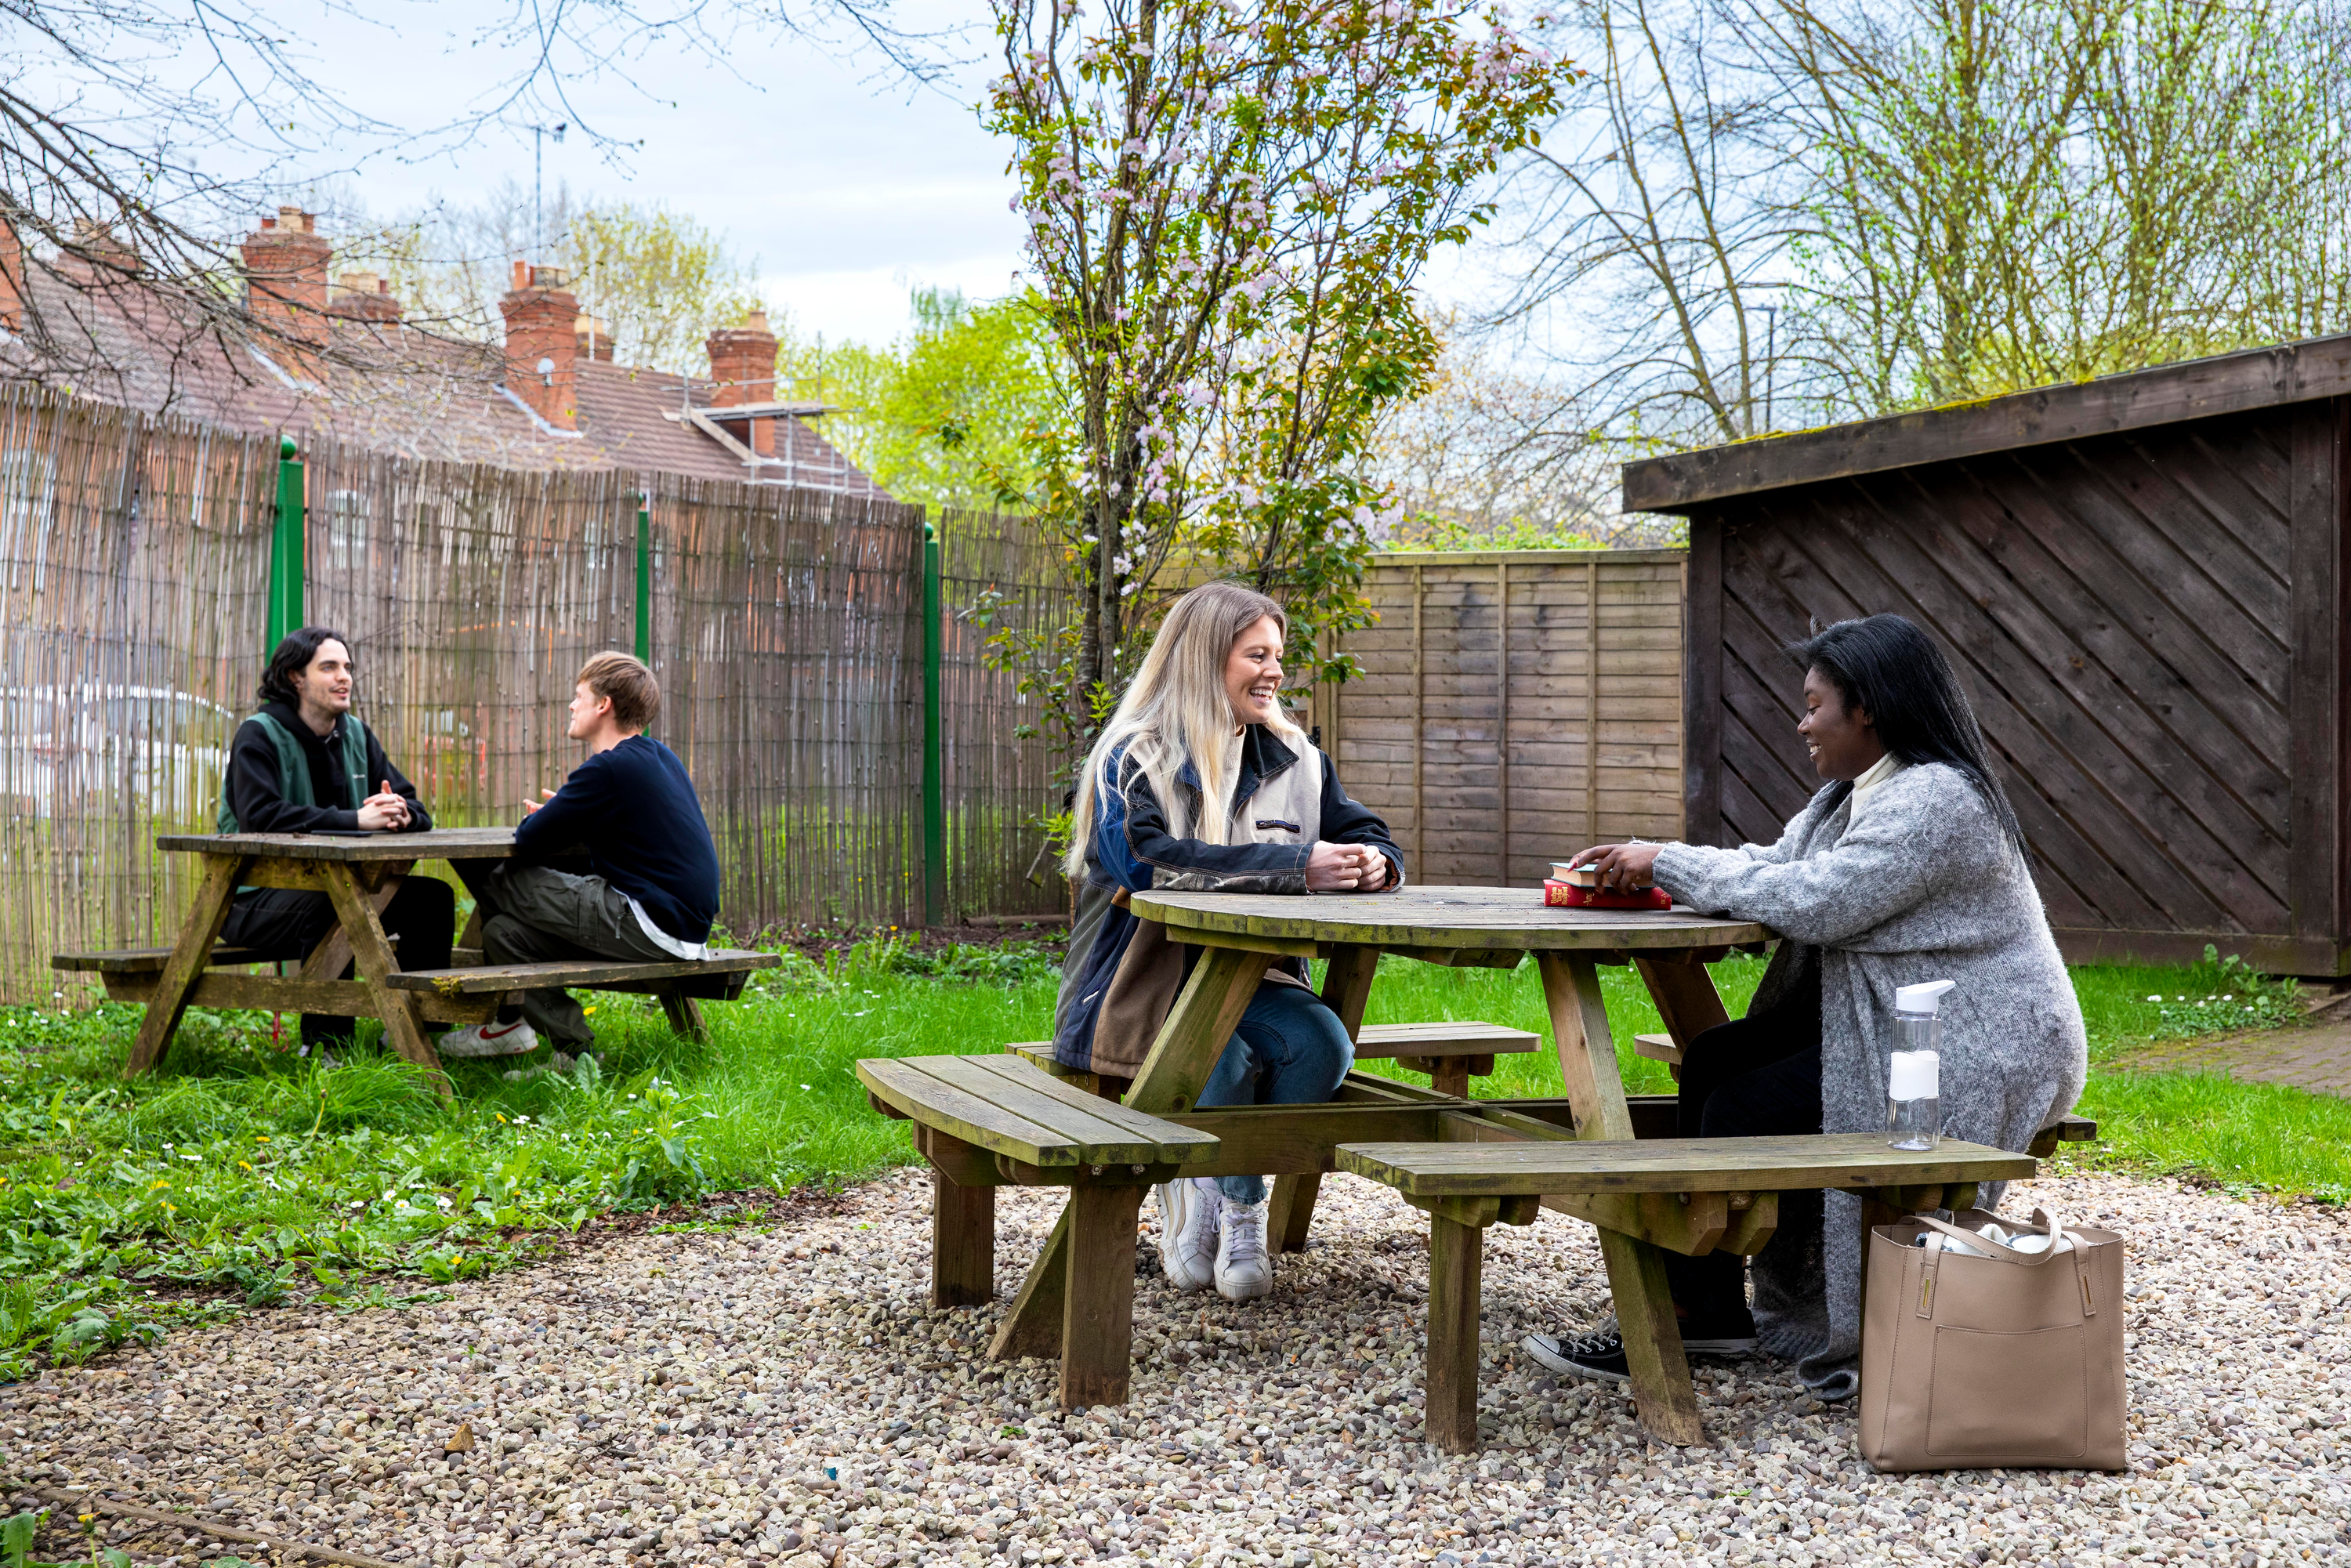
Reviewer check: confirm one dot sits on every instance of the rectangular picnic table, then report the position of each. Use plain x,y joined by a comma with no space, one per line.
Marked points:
1242,934
359,873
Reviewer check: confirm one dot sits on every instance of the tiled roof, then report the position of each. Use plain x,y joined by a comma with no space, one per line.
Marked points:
393,388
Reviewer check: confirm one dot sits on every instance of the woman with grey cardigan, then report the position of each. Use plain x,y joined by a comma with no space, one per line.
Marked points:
1907,866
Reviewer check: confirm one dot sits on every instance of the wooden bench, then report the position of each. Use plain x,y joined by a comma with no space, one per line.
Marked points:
2066,1129
468,994
1691,1196
1450,1053
130,975
983,1121
680,983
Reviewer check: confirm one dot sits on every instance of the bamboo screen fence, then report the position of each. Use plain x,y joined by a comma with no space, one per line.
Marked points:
995,577
786,631
1492,752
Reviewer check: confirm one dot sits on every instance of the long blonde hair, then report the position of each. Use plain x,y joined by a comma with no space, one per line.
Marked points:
1177,709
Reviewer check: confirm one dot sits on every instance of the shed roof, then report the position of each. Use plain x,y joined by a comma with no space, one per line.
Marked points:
2166,394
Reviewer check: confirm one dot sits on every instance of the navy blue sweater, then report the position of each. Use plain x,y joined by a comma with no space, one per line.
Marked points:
635,810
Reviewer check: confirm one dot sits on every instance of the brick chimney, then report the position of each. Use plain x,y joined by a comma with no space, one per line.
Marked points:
286,277
12,277
595,339
95,248
743,364
543,343
363,297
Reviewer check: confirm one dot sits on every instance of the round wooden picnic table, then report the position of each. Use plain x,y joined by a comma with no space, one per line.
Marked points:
1438,919
1243,934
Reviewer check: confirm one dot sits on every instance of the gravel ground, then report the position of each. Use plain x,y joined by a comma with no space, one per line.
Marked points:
785,1396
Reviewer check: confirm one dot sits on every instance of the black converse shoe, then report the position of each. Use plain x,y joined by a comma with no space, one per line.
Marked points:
1601,1354
1595,1356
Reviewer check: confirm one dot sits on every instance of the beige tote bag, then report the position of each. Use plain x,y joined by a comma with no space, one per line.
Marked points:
2014,1359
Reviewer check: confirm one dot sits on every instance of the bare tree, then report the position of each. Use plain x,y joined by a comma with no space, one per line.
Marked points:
117,118
1492,455
2026,193
1656,223
1953,198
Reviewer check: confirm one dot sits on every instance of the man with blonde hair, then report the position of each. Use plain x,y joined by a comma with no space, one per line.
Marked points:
651,884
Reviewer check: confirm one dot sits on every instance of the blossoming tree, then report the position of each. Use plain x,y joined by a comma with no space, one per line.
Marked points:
1229,204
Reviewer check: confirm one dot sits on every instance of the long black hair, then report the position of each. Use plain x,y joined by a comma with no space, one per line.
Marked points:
1885,665
290,658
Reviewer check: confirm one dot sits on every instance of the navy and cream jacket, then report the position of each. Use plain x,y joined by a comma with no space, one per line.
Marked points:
1121,974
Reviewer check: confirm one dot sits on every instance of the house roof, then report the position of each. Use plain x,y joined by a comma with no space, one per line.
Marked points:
398,387
2191,389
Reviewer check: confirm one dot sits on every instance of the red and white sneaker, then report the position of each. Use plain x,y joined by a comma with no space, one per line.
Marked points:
490,1039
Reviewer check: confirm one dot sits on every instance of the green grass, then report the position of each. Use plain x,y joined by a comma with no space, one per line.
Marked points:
242,1174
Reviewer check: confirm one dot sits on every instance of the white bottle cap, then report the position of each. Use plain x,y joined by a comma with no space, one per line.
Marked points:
1916,1076
1922,999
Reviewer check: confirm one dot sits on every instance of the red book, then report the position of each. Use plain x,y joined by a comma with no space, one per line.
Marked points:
1566,895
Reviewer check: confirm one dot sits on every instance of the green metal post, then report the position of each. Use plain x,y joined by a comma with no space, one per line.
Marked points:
935,814
645,586
286,564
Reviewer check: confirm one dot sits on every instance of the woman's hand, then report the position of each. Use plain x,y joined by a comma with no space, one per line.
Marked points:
1623,868
1345,868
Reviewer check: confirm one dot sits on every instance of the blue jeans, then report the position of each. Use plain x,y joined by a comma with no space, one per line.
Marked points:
1289,1050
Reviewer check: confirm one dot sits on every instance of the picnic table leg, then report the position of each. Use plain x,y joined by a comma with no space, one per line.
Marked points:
167,1002
1098,1311
1180,1060
332,956
1685,996
963,1243
1663,1394
685,1017
1033,1324
1455,1263
372,951
1346,986
1662,1391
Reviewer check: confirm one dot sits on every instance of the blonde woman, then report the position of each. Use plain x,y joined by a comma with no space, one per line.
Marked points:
1200,783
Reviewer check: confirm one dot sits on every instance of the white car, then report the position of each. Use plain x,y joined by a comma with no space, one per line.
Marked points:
74,749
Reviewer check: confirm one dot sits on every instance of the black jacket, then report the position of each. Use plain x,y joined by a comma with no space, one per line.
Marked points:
259,801
635,809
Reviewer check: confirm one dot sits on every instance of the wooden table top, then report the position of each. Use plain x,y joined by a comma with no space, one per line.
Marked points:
439,844
1490,918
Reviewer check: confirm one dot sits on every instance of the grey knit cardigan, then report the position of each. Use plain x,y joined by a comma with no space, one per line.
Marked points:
1924,886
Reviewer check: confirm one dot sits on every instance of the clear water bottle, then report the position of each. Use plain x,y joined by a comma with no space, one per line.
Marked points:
1914,1105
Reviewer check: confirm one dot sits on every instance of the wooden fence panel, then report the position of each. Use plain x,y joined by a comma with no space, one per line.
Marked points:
1492,754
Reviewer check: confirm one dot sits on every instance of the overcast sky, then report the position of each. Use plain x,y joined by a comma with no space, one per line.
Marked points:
845,183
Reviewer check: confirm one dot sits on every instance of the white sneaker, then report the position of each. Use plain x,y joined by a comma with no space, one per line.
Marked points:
1187,1231
490,1039
1244,1270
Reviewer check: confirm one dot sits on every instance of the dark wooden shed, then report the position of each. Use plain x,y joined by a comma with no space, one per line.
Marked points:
2141,580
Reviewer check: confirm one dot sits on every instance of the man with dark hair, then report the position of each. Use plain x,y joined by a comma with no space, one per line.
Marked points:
304,762
651,884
